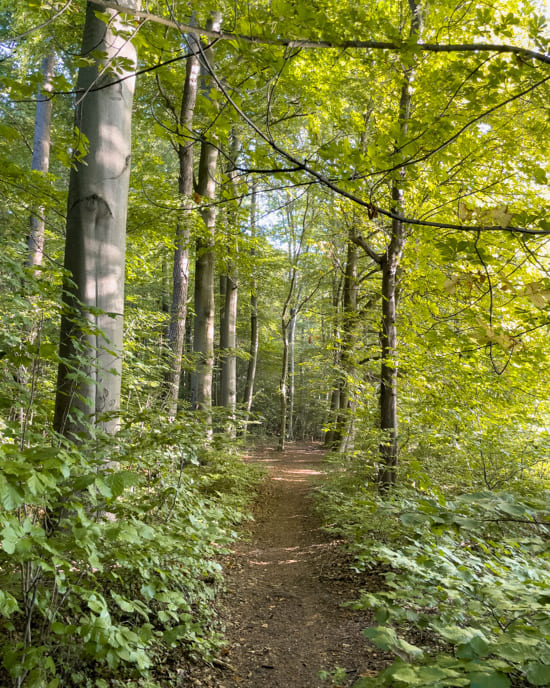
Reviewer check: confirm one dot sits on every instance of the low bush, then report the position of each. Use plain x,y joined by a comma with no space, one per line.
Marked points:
465,601
109,552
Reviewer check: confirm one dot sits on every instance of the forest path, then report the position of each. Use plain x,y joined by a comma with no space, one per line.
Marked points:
285,587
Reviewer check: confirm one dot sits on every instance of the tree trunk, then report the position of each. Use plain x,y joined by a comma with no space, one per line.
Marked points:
253,350
203,339
349,323
180,275
390,265
388,372
228,336
283,386
229,359
41,158
334,408
291,372
88,386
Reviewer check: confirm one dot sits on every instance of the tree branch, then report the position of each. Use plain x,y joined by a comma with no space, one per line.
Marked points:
371,208
305,43
360,241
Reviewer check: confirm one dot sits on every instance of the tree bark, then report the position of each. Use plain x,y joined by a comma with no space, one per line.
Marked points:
228,330
334,407
88,386
283,386
41,158
388,340
254,339
203,340
390,265
349,323
291,372
180,274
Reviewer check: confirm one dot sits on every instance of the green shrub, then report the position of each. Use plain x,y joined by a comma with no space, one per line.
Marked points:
109,552
466,599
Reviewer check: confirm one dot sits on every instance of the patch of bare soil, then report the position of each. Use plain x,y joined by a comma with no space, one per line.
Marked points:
286,585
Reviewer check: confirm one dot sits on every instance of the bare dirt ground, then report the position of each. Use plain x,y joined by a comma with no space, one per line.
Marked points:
286,584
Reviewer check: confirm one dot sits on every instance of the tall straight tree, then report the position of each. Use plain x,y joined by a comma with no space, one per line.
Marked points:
390,266
389,262
248,394
203,340
180,275
41,157
88,386
228,324
349,325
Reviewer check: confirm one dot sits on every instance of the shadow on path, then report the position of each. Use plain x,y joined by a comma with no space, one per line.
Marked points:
285,588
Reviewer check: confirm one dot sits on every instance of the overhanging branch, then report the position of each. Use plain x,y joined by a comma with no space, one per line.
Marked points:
341,45
371,208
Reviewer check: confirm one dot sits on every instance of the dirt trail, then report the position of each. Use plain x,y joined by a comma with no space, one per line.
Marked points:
285,588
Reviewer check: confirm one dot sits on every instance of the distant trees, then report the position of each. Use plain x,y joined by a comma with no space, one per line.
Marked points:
431,145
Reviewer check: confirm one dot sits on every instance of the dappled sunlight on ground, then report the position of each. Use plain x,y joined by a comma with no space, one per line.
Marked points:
284,617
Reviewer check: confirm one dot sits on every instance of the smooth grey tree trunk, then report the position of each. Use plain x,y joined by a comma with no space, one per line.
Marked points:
180,274
291,374
88,387
228,329
248,395
41,158
229,343
283,387
203,339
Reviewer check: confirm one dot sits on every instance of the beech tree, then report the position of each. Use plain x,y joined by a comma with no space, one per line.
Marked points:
414,315
203,340
180,274
89,378
229,293
41,157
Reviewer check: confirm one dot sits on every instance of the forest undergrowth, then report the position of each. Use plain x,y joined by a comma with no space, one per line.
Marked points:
109,560
466,576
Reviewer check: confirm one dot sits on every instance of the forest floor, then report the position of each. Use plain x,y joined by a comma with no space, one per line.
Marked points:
286,582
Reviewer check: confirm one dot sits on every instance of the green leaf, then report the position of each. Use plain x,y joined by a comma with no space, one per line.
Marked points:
11,496
386,639
540,175
10,538
477,646
103,488
492,680
8,604
538,674
405,673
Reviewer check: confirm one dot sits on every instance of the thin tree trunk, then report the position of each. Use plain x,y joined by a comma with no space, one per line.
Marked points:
390,265
291,371
88,386
41,158
229,360
229,321
388,372
254,339
180,275
283,386
349,323
203,339
333,413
